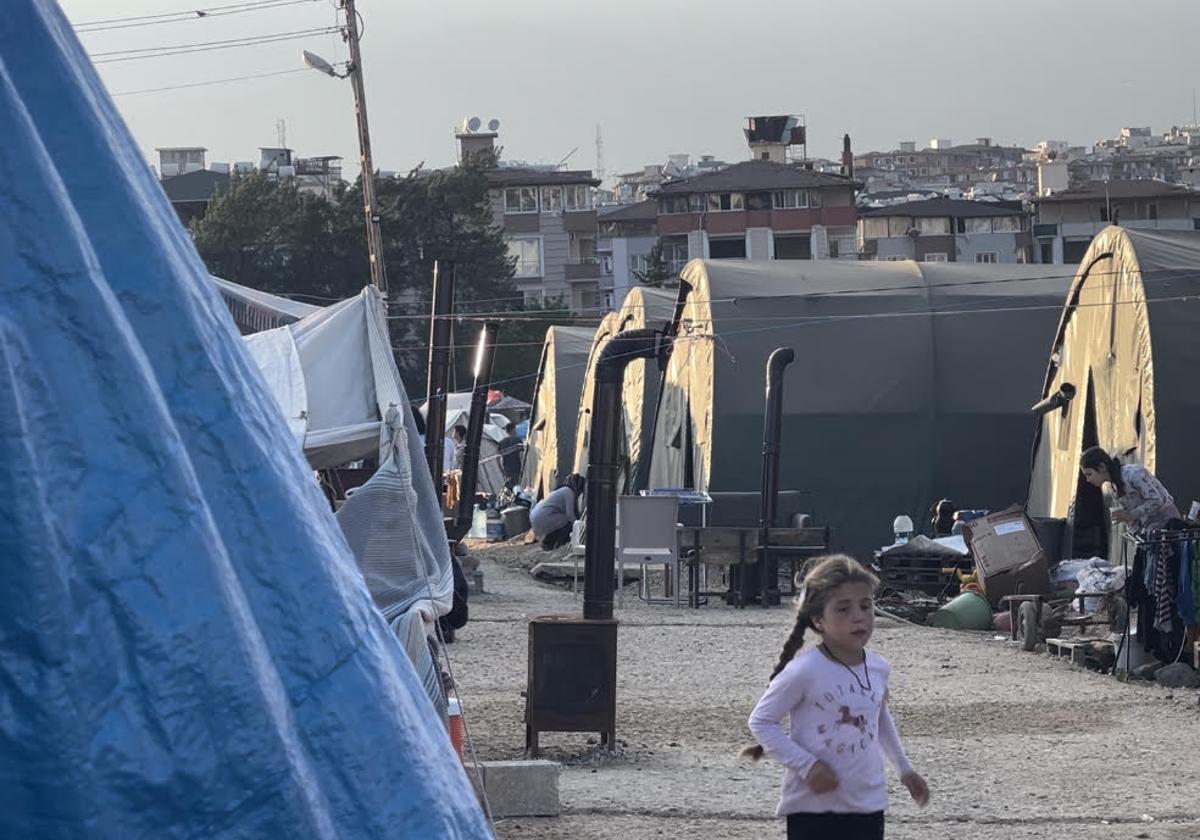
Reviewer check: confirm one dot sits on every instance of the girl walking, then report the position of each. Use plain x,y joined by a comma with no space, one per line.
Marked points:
835,696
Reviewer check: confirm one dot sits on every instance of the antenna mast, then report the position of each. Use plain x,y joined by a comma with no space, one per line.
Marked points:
600,154
281,132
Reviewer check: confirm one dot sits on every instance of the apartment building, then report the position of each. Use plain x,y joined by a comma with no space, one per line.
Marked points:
946,230
1067,220
758,210
628,234
549,223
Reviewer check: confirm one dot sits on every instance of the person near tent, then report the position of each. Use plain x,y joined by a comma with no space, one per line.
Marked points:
551,518
510,455
459,442
943,518
1144,502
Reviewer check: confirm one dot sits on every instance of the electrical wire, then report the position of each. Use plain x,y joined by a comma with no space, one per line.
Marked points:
183,49
182,16
218,82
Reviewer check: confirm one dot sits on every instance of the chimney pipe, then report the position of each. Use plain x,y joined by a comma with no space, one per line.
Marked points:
779,359
604,466
439,370
485,355
847,157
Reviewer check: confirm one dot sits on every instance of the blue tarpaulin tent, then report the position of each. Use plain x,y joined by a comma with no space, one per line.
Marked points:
188,649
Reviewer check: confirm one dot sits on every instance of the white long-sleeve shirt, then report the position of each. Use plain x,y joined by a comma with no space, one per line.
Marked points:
834,720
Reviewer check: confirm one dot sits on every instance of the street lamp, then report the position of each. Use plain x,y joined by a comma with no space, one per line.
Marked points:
353,71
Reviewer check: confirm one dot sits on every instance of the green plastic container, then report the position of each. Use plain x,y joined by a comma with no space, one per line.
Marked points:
969,611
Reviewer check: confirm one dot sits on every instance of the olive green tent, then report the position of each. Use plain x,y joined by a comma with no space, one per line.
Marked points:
550,444
1128,342
643,307
912,382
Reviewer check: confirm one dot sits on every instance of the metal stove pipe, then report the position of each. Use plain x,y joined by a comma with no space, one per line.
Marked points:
439,370
485,354
768,568
604,466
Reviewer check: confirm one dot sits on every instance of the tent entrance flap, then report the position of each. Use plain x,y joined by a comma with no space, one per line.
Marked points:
1090,525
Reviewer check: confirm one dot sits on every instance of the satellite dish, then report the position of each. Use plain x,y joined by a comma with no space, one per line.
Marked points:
493,125
474,123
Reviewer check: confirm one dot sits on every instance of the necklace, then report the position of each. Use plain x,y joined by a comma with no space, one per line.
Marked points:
866,687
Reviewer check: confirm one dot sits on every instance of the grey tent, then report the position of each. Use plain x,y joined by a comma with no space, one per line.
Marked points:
912,381
1129,342
550,444
643,307
254,311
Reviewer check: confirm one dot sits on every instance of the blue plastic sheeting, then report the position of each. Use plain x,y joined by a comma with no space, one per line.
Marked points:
186,646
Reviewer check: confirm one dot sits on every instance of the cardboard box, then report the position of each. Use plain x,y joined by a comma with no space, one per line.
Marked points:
1008,556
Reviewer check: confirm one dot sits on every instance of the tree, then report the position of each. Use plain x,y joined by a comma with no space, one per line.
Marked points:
656,273
269,235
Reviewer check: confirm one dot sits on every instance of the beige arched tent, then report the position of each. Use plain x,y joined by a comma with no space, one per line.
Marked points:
550,444
912,382
1129,342
643,307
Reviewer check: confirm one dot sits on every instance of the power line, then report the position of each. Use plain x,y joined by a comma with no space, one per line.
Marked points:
182,15
162,52
217,82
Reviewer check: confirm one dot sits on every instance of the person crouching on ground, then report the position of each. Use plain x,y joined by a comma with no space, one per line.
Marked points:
835,696
551,518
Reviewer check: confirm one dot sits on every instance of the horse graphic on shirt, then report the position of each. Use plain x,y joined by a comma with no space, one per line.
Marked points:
859,722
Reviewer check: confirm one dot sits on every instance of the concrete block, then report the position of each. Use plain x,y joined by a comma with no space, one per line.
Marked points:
519,788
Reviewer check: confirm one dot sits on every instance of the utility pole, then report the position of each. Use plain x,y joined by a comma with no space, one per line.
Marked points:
370,208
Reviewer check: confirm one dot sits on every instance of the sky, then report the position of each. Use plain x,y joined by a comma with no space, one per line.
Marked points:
658,76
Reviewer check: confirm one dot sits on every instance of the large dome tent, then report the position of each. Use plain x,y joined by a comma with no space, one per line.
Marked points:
550,444
1128,341
643,307
912,382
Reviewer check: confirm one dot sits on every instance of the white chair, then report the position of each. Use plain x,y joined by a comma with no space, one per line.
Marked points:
648,535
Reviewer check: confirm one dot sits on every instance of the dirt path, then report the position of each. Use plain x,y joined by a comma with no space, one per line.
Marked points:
1015,745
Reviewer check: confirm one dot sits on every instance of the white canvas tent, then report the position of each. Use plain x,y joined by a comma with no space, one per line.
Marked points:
254,311
333,375
458,411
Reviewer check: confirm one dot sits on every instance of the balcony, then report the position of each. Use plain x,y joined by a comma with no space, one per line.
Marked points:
580,270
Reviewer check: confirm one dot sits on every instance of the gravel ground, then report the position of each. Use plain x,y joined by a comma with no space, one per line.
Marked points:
1014,745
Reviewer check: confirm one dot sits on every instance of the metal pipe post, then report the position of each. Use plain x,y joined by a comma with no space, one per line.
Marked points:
604,467
439,370
768,568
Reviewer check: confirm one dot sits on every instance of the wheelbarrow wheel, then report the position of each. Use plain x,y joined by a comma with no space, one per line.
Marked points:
1027,625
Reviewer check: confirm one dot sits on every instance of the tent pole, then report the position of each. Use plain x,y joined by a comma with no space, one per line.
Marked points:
439,370
485,355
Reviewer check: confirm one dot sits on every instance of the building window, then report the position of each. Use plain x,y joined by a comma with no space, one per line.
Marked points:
758,201
638,263
727,249
1007,224
987,257
936,226
671,204
723,202
899,225
552,199
1104,212
675,254
875,228
969,226
528,254
1152,211
896,258
790,199
520,200
579,197
534,297
936,257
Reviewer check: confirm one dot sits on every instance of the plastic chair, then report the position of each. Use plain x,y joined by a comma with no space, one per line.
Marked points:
648,535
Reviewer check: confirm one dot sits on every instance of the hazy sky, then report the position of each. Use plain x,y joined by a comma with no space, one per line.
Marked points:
659,76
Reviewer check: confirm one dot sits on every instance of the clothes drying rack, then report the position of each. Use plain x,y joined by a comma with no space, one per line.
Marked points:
1144,539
